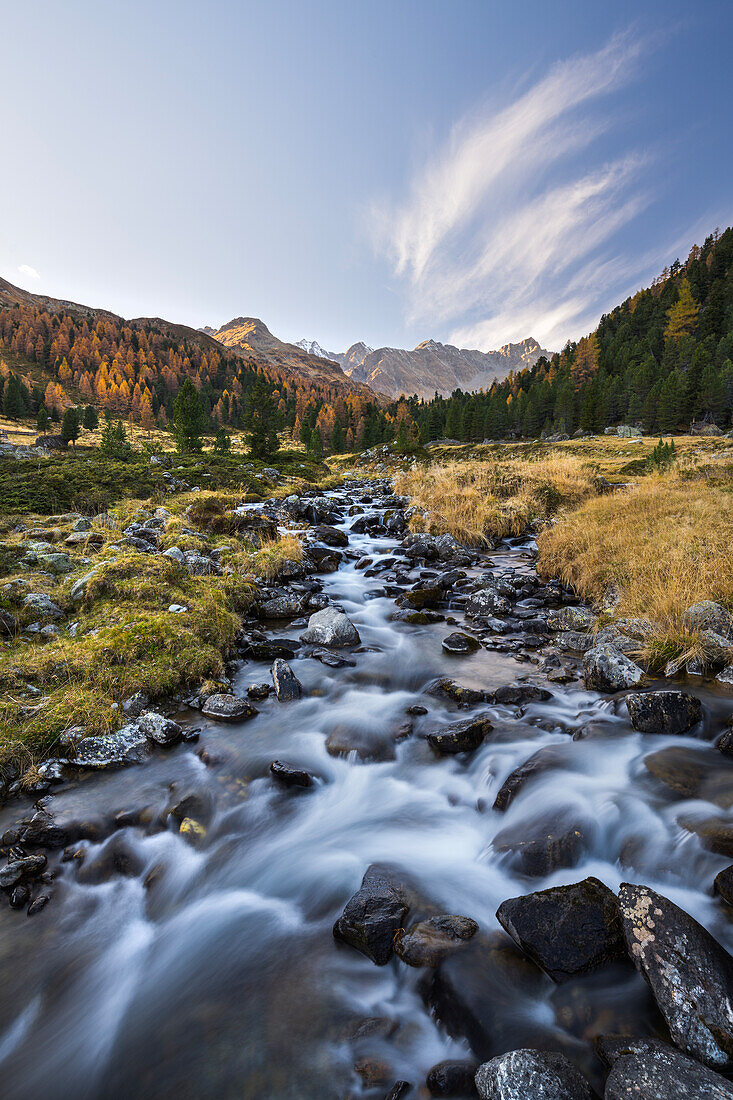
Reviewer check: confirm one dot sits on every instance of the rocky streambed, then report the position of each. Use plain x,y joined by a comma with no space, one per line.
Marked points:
435,837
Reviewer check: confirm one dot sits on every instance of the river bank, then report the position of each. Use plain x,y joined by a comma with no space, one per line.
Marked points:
456,740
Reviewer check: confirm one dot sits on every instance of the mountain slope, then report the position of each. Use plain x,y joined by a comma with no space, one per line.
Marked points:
248,336
433,366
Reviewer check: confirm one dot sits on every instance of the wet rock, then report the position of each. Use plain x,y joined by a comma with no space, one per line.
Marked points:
708,615
399,1090
648,1069
17,869
690,974
197,804
462,736
448,689
543,844
115,859
330,627
288,776
516,695
724,743
429,941
715,834
723,884
420,598
606,668
228,708
192,830
135,705
545,759
458,643
331,535
37,904
531,1075
475,992
20,897
374,914
486,604
332,660
694,773
575,641
420,546
567,930
324,560
46,830
578,619
259,691
128,745
287,685
452,1078
164,731
368,742
663,711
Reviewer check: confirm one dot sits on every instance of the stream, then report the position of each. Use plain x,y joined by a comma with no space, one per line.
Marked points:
166,968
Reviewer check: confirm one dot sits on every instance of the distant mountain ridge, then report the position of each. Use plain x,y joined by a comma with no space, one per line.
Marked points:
430,366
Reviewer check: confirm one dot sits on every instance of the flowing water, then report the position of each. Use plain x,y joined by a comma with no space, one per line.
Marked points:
164,969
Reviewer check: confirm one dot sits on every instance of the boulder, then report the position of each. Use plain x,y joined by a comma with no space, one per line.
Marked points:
708,615
541,845
486,604
460,736
452,1078
531,1075
331,627
648,1069
606,668
516,695
287,685
17,869
429,941
723,884
42,605
8,624
164,731
374,914
457,693
458,644
627,431
288,776
694,773
689,973
580,619
331,535
567,930
282,607
128,745
224,707
546,758
668,712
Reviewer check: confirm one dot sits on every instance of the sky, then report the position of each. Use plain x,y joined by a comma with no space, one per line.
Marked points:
472,171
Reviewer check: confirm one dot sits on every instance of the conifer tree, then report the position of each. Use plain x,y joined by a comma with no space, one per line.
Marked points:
188,419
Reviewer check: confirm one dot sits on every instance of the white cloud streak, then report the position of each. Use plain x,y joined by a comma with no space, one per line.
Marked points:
28,271
502,234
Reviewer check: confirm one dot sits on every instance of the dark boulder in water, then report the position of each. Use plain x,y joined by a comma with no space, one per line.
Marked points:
663,711
531,1075
374,914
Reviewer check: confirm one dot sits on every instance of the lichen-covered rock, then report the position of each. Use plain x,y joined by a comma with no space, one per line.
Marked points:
429,941
42,605
282,607
663,711
164,731
606,668
286,683
567,930
648,1069
580,619
128,745
708,615
374,914
486,603
460,644
332,628
689,972
531,1075
228,708
460,736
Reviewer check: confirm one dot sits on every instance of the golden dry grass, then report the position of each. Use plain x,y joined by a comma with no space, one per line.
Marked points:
476,501
666,542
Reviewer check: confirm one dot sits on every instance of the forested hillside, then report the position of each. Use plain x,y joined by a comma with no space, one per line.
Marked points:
661,359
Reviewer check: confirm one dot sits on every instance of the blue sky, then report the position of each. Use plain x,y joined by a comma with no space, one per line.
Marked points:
470,171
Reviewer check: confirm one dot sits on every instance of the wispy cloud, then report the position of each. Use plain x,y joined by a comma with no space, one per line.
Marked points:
28,271
502,231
